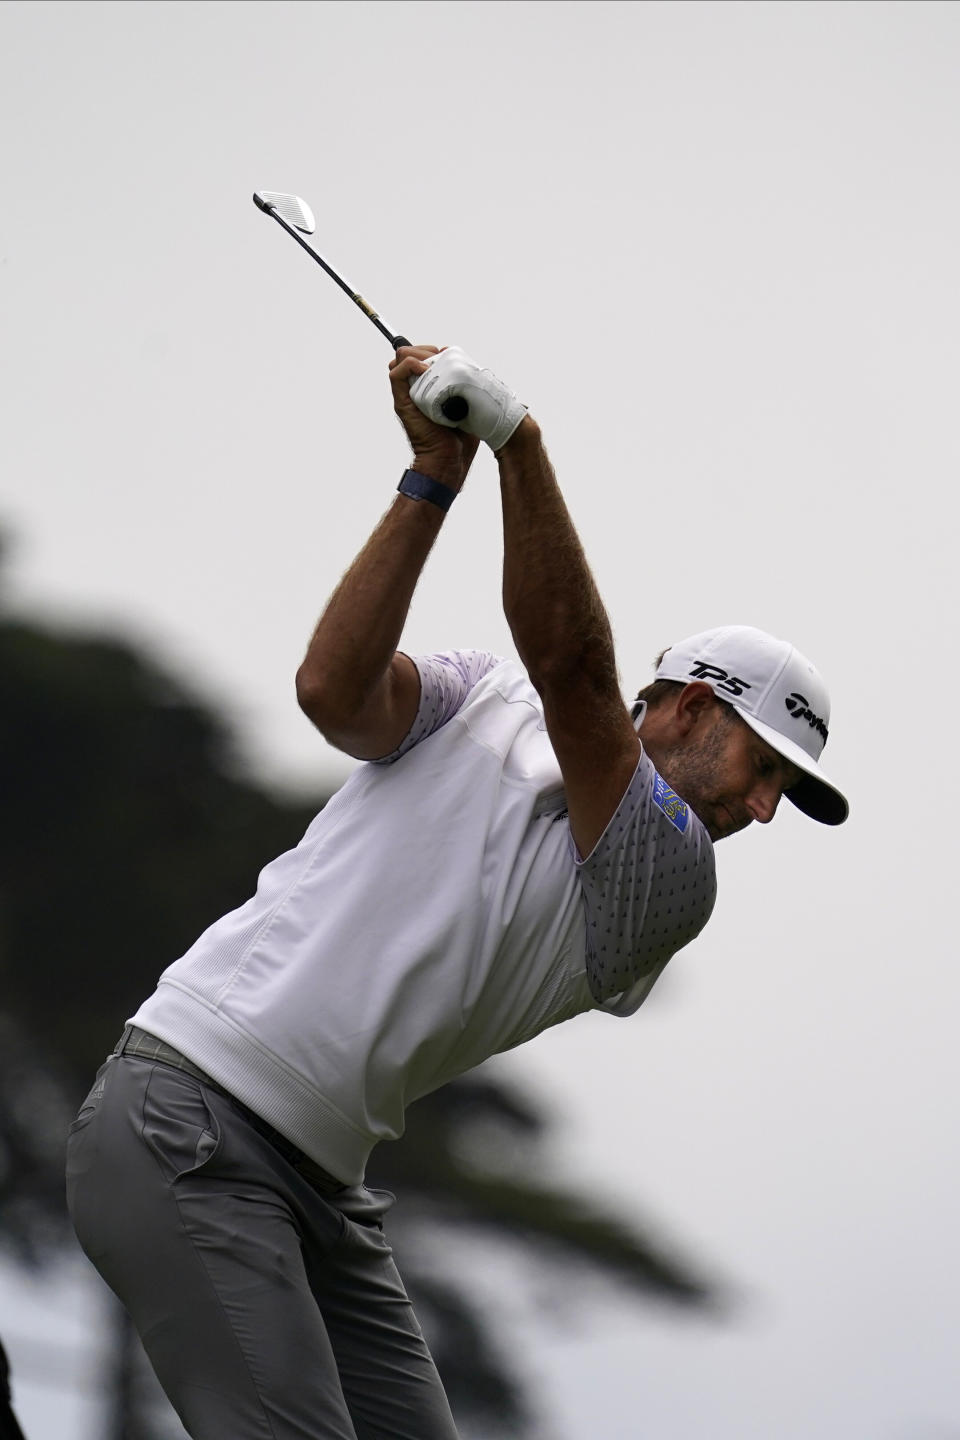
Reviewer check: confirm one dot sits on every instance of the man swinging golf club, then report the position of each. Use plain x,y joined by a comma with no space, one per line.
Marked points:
516,850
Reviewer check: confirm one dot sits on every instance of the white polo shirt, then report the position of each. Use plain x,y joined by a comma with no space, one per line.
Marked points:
434,914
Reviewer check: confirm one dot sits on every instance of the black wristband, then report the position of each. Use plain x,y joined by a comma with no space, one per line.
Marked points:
422,487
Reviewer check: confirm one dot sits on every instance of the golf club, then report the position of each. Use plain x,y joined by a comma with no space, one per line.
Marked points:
296,217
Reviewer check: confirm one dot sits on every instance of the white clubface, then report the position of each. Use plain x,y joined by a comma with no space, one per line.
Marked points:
291,208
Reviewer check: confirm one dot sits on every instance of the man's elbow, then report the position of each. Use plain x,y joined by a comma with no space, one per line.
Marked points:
314,697
586,666
338,713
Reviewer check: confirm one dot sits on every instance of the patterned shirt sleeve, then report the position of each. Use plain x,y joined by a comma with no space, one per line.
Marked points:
445,682
649,887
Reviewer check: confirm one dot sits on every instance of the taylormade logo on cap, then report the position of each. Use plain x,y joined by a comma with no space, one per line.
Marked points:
778,693
799,707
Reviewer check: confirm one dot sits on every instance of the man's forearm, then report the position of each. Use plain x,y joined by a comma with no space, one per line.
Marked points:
557,618
344,682
363,620
352,684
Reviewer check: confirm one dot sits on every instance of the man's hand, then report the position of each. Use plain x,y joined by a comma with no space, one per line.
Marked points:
438,451
455,390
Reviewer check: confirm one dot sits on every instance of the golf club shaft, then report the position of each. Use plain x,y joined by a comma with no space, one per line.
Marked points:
395,340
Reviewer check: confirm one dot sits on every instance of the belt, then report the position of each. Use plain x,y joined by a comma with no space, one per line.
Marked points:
135,1041
144,1046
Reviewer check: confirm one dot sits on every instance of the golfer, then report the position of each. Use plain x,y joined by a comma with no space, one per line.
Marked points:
517,849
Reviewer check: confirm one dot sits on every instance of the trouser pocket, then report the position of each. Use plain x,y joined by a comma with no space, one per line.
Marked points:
82,1135
92,1103
85,1146
178,1126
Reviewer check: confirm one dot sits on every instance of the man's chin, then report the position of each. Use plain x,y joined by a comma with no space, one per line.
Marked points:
722,824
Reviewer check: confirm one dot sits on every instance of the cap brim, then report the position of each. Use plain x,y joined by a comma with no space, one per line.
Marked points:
813,793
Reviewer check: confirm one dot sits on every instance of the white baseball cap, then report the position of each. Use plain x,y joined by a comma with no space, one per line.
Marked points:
777,692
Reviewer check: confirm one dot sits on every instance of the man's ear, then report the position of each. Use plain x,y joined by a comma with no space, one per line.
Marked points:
693,706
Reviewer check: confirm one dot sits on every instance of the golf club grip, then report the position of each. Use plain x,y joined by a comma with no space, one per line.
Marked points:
456,408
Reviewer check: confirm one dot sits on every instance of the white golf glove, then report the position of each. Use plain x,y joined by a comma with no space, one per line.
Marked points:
492,411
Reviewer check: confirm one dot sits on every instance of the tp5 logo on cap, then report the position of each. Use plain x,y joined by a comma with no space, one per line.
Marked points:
734,686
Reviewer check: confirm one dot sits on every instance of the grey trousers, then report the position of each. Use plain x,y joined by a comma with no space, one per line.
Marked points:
269,1310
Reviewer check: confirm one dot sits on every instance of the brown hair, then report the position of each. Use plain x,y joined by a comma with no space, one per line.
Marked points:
659,691
656,692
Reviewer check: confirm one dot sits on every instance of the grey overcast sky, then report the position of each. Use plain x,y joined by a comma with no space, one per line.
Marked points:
715,247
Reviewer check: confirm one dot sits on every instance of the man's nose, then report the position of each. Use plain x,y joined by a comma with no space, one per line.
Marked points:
762,802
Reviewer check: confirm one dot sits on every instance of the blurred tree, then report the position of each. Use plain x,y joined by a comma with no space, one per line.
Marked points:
128,826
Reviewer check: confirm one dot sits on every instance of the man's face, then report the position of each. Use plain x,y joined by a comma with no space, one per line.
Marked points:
727,774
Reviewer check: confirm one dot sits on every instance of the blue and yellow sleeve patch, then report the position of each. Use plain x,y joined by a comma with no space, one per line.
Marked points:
670,803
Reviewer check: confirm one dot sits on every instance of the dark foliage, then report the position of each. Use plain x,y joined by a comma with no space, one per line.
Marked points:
126,831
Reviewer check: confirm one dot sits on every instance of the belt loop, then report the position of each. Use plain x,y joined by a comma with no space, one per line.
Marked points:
121,1043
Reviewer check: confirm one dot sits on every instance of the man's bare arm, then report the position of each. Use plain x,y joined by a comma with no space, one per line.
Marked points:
353,684
563,636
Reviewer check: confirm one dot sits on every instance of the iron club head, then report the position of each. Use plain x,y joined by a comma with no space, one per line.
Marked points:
291,208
